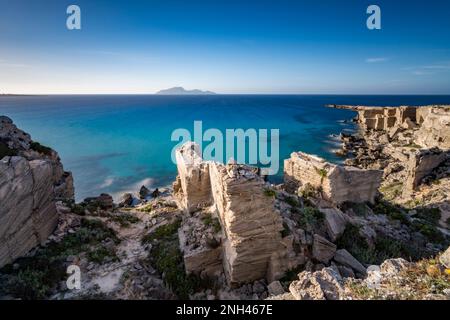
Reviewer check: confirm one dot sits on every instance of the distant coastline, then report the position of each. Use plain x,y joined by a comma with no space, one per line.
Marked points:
182,91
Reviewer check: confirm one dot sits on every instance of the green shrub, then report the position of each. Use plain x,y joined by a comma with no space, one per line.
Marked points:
102,254
38,275
392,211
311,218
292,201
209,221
285,232
5,151
270,193
36,146
166,257
431,215
428,230
163,232
384,247
125,219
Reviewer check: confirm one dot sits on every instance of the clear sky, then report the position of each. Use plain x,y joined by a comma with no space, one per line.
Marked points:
225,46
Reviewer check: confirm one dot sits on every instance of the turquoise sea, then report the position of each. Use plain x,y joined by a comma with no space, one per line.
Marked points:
116,143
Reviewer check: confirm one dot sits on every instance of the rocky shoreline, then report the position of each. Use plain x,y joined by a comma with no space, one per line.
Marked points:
377,227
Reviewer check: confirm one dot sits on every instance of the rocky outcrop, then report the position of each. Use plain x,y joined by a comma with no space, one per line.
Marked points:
434,128
31,182
192,188
381,118
336,183
325,284
420,164
200,240
252,245
251,225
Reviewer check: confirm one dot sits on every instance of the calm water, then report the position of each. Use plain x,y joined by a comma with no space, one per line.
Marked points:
116,144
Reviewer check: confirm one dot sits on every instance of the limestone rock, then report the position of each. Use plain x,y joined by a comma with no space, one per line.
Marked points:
445,258
421,163
28,212
192,189
338,184
126,200
103,201
323,250
250,222
335,222
275,288
343,257
144,192
434,129
391,267
320,285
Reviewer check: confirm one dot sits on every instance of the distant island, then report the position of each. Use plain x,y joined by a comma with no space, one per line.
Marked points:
182,91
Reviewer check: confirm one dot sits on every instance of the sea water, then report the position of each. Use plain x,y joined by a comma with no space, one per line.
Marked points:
116,143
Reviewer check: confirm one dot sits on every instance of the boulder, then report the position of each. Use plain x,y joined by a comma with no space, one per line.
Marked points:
445,258
391,267
275,288
103,201
325,284
323,250
144,192
334,221
343,257
126,200
156,193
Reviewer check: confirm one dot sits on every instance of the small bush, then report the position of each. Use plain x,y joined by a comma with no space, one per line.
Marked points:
285,232
270,193
125,219
38,275
431,215
392,211
292,201
162,232
5,151
36,146
167,258
208,220
102,254
428,230
311,217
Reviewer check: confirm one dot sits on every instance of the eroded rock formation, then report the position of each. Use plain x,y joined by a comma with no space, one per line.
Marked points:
337,184
250,223
192,188
32,179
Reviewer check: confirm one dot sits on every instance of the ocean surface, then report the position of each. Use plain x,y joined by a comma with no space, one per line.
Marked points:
116,143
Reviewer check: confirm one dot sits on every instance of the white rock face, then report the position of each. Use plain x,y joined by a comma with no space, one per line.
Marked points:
28,213
192,189
30,185
251,224
434,128
420,164
252,247
338,184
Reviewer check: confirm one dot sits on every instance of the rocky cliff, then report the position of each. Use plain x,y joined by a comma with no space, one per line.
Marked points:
32,179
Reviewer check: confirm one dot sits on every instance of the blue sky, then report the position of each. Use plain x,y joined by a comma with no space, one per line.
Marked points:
225,46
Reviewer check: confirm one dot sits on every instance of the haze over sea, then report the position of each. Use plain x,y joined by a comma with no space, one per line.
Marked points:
116,143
